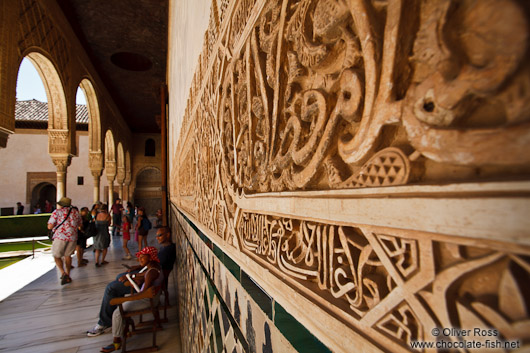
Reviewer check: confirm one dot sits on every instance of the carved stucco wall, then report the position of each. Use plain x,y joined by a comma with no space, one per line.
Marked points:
365,162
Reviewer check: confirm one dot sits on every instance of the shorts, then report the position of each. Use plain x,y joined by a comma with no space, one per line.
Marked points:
126,236
62,248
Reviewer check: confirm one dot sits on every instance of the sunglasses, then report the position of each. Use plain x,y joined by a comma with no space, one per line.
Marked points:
160,235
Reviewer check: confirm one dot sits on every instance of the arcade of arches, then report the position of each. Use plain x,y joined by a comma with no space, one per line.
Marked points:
344,175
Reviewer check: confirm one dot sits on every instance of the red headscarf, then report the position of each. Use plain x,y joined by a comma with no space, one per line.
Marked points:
150,251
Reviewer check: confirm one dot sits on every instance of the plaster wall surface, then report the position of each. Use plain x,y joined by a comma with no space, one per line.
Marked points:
188,21
27,152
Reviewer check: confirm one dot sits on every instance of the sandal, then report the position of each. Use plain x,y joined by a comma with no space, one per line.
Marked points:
104,263
111,347
63,279
68,279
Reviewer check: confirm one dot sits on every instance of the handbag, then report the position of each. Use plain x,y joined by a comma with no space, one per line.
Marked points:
91,229
51,232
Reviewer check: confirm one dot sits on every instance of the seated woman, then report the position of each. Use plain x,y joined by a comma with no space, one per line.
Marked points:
152,277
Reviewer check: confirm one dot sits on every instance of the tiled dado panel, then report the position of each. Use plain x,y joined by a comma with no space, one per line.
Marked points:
222,309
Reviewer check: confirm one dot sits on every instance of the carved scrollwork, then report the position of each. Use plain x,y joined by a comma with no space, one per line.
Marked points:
295,98
391,281
469,100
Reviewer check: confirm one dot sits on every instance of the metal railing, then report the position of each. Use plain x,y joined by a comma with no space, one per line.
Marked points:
33,240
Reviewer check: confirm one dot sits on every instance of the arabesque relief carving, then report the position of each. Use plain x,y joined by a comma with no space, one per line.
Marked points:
58,141
292,96
365,271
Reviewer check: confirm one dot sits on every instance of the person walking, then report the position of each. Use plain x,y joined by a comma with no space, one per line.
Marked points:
126,231
142,228
129,212
64,222
82,237
116,209
102,238
47,207
20,209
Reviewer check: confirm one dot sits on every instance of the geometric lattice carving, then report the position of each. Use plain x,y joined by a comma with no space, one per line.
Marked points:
388,167
402,324
402,252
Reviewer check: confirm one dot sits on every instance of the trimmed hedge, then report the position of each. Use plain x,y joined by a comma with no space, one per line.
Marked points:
31,225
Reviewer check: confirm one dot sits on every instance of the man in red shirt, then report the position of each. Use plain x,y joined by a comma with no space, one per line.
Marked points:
116,217
64,221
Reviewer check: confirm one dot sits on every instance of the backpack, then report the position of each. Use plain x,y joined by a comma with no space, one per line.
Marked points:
146,223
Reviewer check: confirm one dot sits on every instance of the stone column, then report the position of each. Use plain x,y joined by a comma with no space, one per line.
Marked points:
110,179
60,153
97,182
61,162
110,166
126,186
96,167
120,178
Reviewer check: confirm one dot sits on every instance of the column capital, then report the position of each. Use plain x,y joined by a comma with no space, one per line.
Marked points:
120,175
58,141
111,178
110,169
95,161
62,162
96,173
128,178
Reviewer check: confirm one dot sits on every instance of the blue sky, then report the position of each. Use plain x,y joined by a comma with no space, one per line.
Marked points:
29,85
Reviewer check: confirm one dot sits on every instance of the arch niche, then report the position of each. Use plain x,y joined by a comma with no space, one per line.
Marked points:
94,118
120,173
60,136
110,165
42,192
58,126
147,192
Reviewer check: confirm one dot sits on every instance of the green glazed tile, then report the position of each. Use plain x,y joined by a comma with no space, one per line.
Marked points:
257,293
233,267
301,339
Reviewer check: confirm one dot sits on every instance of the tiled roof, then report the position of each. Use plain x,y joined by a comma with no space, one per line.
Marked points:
33,110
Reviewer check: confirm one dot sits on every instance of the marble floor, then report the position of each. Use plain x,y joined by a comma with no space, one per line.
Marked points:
47,317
